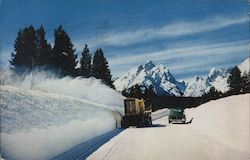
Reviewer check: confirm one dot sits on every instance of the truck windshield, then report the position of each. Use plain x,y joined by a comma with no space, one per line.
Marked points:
130,106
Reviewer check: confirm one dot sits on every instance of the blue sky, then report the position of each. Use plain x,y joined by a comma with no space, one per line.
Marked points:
188,36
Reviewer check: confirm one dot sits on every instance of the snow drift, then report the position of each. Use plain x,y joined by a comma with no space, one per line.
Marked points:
56,115
225,121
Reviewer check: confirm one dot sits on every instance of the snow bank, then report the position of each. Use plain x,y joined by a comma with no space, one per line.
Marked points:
225,120
160,113
39,125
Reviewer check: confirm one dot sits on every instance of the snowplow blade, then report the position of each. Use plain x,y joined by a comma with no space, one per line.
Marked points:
190,121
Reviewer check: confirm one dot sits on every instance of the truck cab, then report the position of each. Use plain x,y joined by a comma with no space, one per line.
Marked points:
135,113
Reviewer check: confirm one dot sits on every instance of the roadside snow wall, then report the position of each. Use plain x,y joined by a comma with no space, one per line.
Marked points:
226,120
56,115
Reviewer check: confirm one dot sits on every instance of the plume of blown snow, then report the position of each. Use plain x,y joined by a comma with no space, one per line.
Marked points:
90,89
38,125
43,115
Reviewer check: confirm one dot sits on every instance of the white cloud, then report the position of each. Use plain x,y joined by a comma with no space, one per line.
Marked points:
189,50
194,56
170,30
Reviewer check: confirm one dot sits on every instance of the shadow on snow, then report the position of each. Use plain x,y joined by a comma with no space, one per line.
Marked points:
82,151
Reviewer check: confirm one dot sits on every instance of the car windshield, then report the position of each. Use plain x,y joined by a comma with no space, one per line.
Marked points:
177,112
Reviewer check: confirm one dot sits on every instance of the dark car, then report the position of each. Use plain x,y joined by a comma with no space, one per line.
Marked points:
176,116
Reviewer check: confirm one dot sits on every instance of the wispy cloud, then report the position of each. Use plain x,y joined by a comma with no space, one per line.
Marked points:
191,57
124,38
183,51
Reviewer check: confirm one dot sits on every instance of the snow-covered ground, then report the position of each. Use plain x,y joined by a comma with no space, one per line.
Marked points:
160,113
55,116
219,131
227,121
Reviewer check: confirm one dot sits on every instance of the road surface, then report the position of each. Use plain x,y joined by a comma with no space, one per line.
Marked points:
164,141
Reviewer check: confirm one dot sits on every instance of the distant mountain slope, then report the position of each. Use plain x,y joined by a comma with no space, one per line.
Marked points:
217,78
149,74
164,83
245,66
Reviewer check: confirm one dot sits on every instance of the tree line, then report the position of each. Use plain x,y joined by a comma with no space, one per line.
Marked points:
33,51
238,84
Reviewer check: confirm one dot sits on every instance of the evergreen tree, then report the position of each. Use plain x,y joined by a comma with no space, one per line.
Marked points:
148,96
101,69
212,94
246,83
135,91
17,57
149,92
26,55
63,57
85,68
43,48
234,80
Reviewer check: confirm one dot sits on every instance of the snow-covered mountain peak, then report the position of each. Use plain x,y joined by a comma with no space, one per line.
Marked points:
217,78
196,78
196,87
213,71
216,73
245,66
150,74
164,82
149,65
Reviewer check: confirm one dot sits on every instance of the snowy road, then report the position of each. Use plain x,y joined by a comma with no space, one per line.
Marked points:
82,151
164,141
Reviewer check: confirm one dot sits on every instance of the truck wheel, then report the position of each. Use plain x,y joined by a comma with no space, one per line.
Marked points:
123,124
150,121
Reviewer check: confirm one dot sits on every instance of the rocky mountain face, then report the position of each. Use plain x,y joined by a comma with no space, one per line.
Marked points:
149,74
217,78
163,82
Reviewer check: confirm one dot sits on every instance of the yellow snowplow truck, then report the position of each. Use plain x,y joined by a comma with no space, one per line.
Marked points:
135,113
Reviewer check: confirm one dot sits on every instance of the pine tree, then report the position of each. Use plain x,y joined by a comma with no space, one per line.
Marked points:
246,83
85,68
26,55
43,48
63,57
234,80
16,58
148,96
212,94
101,69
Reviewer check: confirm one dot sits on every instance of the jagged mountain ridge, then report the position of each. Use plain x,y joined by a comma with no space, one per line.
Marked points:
164,82
149,74
245,66
217,78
